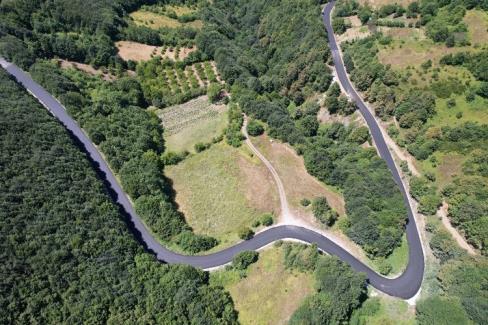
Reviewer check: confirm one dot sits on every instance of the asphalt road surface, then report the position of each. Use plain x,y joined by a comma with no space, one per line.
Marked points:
405,286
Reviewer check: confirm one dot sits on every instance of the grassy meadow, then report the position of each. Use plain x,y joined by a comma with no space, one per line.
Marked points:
221,190
269,293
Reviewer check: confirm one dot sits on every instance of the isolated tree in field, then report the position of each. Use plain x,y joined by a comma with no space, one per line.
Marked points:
323,212
254,128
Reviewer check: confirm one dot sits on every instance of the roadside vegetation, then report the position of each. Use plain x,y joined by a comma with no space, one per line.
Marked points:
69,255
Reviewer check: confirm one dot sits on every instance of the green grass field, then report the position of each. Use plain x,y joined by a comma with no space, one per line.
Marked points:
221,190
269,294
475,111
398,259
391,311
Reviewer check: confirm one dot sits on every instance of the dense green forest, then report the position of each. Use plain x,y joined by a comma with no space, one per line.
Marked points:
67,253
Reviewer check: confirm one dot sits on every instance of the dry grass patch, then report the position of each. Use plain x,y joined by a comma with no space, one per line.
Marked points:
379,3
297,181
135,51
354,33
413,52
269,294
213,190
156,21
403,33
477,22
355,118
129,50
65,64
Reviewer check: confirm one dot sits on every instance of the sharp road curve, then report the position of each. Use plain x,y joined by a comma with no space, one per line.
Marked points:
405,286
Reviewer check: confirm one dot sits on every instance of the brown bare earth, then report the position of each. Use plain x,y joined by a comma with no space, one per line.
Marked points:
296,180
135,51
442,213
65,64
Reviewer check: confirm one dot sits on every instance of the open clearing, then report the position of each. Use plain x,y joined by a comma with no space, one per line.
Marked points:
194,121
221,190
477,22
379,3
156,21
135,51
392,311
297,181
269,294
402,53
65,64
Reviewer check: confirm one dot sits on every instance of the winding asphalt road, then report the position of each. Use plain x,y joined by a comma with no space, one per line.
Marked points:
405,286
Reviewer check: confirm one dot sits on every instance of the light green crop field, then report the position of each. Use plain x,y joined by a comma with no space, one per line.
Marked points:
194,121
221,190
269,294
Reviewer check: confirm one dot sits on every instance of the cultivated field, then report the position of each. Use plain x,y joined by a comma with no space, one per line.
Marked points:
221,190
195,121
269,294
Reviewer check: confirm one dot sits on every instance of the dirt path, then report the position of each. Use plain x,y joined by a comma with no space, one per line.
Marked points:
288,217
442,213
